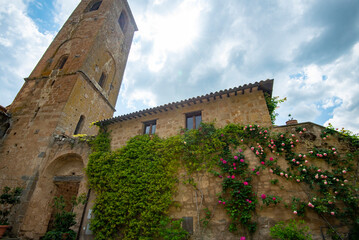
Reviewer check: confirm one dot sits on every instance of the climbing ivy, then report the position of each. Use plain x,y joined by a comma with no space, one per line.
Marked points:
135,184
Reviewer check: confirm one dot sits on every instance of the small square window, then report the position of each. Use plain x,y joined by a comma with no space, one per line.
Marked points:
193,120
149,127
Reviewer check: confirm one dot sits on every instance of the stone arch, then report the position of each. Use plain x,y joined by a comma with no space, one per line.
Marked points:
62,176
68,47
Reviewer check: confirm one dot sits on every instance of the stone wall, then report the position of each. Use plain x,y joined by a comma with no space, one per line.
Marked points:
247,108
192,202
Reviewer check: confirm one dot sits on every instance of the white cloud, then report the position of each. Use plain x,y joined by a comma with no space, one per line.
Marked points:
21,46
63,9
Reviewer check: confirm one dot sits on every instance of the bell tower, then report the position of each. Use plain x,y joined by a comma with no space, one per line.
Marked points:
75,83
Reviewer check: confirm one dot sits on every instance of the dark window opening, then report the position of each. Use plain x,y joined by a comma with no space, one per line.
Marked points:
193,120
61,63
79,125
123,21
95,6
101,82
149,127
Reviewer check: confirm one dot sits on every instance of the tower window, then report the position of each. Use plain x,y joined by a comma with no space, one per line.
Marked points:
193,120
61,63
79,125
123,21
102,80
149,127
94,6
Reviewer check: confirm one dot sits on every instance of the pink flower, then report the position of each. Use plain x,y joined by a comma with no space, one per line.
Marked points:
242,160
250,201
257,173
235,157
325,154
281,174
219,201
336,192
228,176
344,171
281,135
345,181
297,140
311,152
300,155
304,129
304,156
332,213
274,198
330,202
241,140
224,161
262,163
271,159
333,149
306,161
283,144
224,202
233,176
300,132
243,238
253,169
298,180
252,148
295,212
234,164
245,183
319,170
286,175
234,168
265,131
263,196
240,150
270,170
316,176
293,160
220,176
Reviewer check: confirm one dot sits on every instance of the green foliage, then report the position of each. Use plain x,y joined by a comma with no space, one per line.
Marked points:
207,217
8,199
64,220
171,229
290,231
135,184
134,187
272,105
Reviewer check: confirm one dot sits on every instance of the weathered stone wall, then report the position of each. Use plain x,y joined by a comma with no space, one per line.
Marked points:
247,108
192,202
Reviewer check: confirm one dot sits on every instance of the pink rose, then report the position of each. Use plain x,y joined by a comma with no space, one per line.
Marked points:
271,159
235,157
245,183
263,196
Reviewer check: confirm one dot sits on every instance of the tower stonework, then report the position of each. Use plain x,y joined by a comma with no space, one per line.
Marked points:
75,83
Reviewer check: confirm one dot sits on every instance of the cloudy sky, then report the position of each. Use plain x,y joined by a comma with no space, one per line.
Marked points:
186,48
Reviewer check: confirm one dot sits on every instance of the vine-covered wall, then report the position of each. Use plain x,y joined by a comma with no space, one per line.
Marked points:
236,181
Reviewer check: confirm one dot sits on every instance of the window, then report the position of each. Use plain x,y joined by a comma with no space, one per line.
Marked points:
79,125
123,21
94,6
149,127
101,82
193,120
61,63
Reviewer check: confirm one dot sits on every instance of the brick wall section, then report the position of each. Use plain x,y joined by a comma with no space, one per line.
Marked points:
247,108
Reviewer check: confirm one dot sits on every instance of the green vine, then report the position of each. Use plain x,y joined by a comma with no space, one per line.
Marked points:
135,184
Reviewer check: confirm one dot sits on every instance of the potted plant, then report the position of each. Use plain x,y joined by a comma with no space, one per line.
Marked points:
8,199
291,120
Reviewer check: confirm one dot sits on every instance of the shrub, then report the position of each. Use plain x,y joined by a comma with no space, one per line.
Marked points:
290,231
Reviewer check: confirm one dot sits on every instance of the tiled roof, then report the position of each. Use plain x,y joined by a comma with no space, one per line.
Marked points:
266,86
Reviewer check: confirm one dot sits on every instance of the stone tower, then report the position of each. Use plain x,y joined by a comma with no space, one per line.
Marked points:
76,82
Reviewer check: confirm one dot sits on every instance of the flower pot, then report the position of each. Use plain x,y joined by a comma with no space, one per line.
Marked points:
3,229
291,122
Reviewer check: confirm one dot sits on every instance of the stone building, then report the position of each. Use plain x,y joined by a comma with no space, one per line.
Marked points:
77,82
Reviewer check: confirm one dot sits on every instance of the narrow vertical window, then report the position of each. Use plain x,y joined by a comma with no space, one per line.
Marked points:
79,125
123,21
193,120
93,6
61,63
149,127
102,80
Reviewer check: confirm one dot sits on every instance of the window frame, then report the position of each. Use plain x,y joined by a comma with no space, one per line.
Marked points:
193,115
79,125
61,62
102,80
123,21
150,123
